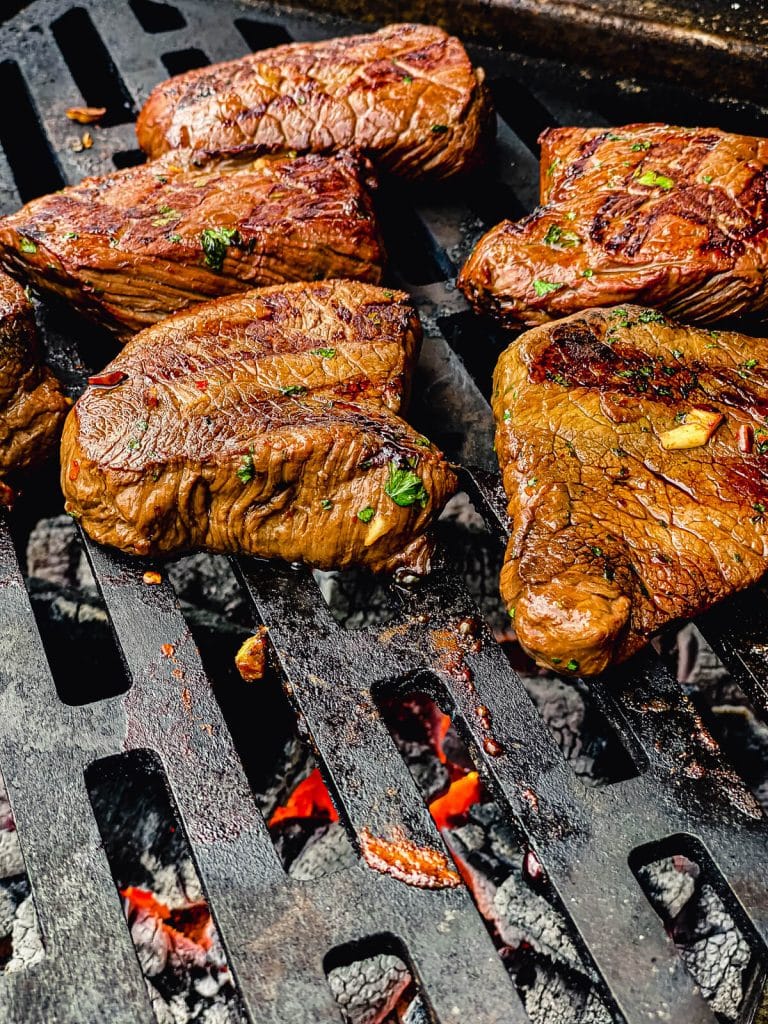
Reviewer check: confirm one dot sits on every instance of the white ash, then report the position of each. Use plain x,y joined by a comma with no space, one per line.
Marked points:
368,990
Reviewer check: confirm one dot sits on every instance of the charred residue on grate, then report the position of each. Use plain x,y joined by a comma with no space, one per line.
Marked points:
176,940
92,67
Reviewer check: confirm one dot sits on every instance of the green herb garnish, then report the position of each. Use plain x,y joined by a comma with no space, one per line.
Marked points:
561,237
27,245
325,353
70,235
215,242
294,389
365,515
588,273
707,179
439,129
246,471
655,180
175,238
640,147
326,504
405,487
572,665
542,288
651,316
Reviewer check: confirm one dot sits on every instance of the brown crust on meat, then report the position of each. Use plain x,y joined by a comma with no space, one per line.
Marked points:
127,248
406,95
260,424
614,536
670,217
32,407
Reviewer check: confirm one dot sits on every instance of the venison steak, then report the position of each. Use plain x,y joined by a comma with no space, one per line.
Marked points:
675,218
406,95
32,407
264,424
634,454
134,246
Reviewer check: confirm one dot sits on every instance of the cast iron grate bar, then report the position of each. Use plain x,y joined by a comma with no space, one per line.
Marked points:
584,837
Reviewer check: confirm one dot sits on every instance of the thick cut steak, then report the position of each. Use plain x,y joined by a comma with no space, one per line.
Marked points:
137,245
617,531
406,95
670,217
262,424
32,407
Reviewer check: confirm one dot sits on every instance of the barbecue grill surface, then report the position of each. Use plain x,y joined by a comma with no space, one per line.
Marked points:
279,932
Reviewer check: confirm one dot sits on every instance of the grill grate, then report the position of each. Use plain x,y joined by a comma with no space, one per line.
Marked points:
277,931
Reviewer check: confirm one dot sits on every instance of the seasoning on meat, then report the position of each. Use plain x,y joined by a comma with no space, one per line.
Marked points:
670,217
283,454
133,247
407,96
616,531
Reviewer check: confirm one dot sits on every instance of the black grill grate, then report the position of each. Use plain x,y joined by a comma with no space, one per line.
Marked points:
278,931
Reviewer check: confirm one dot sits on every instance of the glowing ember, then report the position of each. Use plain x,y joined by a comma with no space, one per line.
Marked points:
310,799
450,810
180,925
401,858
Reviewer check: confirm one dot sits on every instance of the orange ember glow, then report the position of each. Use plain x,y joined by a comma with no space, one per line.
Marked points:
193,921
310,799
401,858
450,809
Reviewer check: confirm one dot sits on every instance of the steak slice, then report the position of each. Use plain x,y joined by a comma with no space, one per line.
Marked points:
614,534
137,245
406,95
32,407
231,428
671,217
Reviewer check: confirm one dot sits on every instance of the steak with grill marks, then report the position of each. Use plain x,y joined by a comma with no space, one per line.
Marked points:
264,424
134,246
675,218
616,530
32,407
406,95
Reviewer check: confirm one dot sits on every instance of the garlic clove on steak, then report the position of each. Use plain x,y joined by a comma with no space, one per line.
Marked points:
695,431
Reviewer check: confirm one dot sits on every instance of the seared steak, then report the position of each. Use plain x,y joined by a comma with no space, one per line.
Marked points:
262,424
406,95
618,526
32,407
139,244
673,217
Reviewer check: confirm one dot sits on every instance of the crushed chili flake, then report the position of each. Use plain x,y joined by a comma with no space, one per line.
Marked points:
152,578
421,866
107,380
167,650
201,385
86,115
74,469
151,400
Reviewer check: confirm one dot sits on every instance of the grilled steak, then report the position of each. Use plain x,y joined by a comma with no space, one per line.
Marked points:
619,527
139,244
32,407
262,424
406,95
672,217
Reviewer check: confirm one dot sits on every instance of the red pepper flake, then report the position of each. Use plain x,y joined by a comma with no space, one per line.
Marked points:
152,578
746,438
74,469
108,380
201,385
167,650
151,400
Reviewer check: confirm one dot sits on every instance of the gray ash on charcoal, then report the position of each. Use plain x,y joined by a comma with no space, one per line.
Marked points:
20,941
